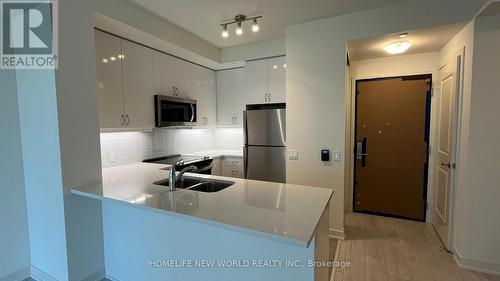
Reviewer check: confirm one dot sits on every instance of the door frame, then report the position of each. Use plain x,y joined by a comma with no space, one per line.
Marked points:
427,136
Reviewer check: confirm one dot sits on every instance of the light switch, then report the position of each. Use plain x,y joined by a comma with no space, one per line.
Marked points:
111,157
293,154
337,155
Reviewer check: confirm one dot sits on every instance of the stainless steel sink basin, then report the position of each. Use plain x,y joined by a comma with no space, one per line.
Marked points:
199,184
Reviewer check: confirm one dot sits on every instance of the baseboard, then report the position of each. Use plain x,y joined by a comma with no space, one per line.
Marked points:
18,275
337,234
40,275
96,276
111,278
476,265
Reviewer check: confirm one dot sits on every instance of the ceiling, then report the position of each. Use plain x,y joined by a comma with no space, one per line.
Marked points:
203,17
423,41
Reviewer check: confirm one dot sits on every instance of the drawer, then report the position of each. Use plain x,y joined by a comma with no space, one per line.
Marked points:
233,162
236,172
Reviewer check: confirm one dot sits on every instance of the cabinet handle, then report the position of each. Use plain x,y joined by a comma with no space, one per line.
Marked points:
234,120
269,97
176,91
127,119
122,120
173,93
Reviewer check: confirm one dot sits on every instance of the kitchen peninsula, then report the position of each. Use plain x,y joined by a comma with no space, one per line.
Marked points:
251,230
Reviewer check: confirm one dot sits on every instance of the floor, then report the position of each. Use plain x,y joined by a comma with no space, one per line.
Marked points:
387,249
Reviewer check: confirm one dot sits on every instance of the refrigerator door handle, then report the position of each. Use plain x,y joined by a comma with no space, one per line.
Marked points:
245,162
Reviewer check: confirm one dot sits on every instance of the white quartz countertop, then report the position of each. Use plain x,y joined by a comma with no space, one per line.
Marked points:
284,212
217,153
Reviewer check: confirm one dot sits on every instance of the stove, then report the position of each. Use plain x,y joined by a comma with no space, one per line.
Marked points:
203,163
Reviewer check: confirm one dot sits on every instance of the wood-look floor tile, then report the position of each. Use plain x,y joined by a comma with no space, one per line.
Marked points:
419,272
375,269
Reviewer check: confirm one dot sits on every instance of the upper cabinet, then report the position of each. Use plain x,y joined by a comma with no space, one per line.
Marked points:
163,71
277,80
230,97
129,75
109,80
138,85
204,92
265,81
182,78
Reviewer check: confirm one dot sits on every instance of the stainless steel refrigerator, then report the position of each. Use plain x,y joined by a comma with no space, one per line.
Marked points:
265,143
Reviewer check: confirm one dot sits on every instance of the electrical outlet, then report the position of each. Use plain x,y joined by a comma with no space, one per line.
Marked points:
293,154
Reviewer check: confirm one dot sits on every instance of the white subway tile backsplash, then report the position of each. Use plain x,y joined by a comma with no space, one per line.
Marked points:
129,147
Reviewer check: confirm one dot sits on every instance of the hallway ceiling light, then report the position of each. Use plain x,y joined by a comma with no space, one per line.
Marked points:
398,47
239,20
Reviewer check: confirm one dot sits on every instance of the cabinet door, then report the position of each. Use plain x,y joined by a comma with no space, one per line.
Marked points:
198,93
138,85
109,80
225,98
182,78
277,79
163,71
239,96
256,81
211,98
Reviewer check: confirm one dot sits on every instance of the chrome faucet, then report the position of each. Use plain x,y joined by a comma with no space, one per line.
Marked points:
173,179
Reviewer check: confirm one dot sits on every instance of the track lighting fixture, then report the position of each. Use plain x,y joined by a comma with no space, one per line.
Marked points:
239,20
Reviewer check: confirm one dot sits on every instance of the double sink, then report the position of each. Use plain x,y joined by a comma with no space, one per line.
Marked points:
198,184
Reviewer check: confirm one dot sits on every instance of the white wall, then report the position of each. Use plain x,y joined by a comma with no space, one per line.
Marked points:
477,239
42,172
264,49
14,239
425,63
316,96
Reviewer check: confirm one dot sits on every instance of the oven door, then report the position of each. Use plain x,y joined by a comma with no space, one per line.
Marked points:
173,111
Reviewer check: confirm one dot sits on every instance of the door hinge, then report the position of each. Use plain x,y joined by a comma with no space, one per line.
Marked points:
453,165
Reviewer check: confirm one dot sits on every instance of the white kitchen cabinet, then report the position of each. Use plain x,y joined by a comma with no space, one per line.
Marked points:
204,91
109,80
233,167
256,81
138,85
277,80
182,78
163,74
265,81
230,97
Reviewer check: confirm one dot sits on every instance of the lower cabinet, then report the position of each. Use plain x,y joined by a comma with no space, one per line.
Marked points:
233,167
228,166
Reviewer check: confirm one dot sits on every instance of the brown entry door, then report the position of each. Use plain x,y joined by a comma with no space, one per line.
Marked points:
391,146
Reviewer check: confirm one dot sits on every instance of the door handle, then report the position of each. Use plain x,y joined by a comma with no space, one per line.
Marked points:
361,151
449,165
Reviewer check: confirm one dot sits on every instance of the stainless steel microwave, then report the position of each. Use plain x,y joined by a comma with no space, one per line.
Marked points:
174,111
